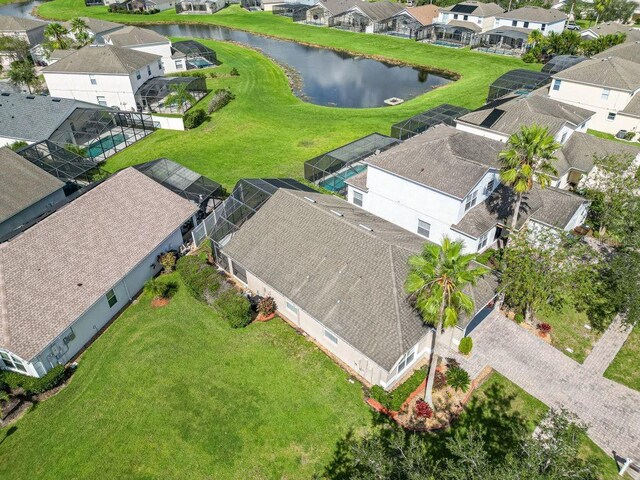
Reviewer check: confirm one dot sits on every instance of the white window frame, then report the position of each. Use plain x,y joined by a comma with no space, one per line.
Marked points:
471,201
93,80
543,27
406,360
490,186
160,65
291,307
332,337
358,198
109,296
102,102
422,229
556,84
179,64
611,116
482,241
138,74
605,94
11,362
149,70
564,138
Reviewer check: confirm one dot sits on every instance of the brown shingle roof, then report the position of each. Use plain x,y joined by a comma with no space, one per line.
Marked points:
424,14
379,11
56,270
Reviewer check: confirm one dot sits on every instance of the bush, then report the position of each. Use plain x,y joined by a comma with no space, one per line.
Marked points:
267,306
213,75
423,409
168,261
381,395
439,381
544,327
15,146
466,344
221,98
200,278
194,118
234,72
160,289
458,379
393,400
519,318
234,308
32,385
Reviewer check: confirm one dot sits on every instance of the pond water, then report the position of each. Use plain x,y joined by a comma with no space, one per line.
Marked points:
327,77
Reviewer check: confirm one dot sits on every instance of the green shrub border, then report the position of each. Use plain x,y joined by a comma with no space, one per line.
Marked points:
33,385
394,399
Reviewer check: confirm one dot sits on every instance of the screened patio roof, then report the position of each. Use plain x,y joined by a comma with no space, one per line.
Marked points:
561,62
444,113
519,80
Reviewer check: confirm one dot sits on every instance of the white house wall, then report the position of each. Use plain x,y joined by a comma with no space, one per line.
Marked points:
556,27
164,50
90,323
485,23
483,132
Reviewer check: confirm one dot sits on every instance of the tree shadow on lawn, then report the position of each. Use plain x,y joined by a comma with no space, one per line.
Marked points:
491,416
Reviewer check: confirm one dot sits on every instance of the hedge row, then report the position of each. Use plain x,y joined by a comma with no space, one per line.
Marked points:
200,278
393,400
32,385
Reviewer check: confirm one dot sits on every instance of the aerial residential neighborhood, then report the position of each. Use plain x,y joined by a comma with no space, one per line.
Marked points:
332,239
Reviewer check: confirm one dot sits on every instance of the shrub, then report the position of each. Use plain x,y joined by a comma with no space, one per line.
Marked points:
160,289
234,308
168,261
194,118
544,327
381,395
221,98
466,344
629,135
32,385
15,146
423,409
439,381
213,75
200,278
458,379
267,306
234,72
519,318
393,400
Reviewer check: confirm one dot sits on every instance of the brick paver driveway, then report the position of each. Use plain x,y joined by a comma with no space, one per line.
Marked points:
611,410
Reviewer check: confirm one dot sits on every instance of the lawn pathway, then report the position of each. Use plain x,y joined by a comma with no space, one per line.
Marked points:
609,409
607,347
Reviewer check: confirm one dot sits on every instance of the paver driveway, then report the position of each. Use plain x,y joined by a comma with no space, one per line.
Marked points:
611,410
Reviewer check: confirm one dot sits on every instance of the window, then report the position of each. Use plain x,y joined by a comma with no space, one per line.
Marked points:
611,116
482,242
357,198
102,101
111,298
455,16
149,70
514,23
12,362
138,75
490,185
605,94
424,228
471,200
543,27
564,138
556,84
179,64
526,25
291,307
466,17
330,336
239,272
406,360
93,80
479,20
160,66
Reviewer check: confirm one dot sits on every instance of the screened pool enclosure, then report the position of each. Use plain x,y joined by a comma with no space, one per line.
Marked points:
518,81
196,54
160,94
444,113
332,169
559,63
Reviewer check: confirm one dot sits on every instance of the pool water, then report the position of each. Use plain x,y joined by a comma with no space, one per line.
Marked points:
104,145
337,181
200,63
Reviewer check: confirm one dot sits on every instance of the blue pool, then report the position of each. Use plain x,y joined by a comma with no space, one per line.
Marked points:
200,63
336,182
104,145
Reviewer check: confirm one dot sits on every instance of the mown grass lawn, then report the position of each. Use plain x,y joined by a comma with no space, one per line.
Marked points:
625,368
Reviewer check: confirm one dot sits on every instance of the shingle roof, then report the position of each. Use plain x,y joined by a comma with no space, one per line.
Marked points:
627,51
425,14
22,184
443,158
534,14
474,27
97,26
18,24
58,54
613,72
481,9
551,206
509,114
359,181
106,59
610,28
89,244
348,278
34,117
581,148
633,107
334,7
133,36
378,11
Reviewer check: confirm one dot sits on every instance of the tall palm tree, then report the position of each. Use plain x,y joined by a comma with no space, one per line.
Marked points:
436,280
80,31
180,96
56,36
527,158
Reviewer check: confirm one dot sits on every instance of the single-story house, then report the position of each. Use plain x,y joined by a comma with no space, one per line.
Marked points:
367,17
611,28
200,6
410,20
324,10
100,249
337,273
26,191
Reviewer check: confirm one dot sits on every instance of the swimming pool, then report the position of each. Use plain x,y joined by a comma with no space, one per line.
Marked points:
200,62
337,181
105,144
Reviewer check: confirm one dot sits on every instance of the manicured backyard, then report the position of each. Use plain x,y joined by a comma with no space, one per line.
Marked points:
625,368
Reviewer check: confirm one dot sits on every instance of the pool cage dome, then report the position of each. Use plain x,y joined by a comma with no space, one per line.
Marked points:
519,81
332,169
153,95
195,52
444,113
559,63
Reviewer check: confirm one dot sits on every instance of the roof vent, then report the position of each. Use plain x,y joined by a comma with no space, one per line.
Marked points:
5,94
310,199
368,229
31,97
57,100
336,213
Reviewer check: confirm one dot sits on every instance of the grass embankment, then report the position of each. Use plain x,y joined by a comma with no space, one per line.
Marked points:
625,368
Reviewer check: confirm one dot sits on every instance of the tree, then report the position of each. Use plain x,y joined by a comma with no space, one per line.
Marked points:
23,73
614,10
527,159
18,49
56,36
80,31
180,96
435,283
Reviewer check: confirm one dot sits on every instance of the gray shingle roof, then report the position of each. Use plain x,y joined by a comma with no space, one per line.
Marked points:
581,148
348,278
334,7
34,117
633,107
378,11
627,51
127,216
534,108
97,26
474,27
359,181
534,14
612,72
22,184
106,59
482,9
610,28
18,24
134,36
551,206
443,158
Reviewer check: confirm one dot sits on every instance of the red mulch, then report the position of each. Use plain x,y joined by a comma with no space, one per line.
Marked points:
159,302
265,318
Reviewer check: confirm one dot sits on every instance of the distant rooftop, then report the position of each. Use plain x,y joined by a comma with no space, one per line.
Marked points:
134,36
611,72
19,24
106,59
479,9
534,14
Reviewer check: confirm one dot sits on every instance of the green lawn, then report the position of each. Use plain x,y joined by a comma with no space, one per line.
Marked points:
625,368
568,331
608,136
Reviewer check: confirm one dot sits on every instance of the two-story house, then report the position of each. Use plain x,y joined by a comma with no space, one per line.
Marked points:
446,182
31,31
96,28
608,86
103,74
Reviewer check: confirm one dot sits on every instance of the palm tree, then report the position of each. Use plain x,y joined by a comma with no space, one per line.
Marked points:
80,31
527,158
179,96
535,37
56,36
436,280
